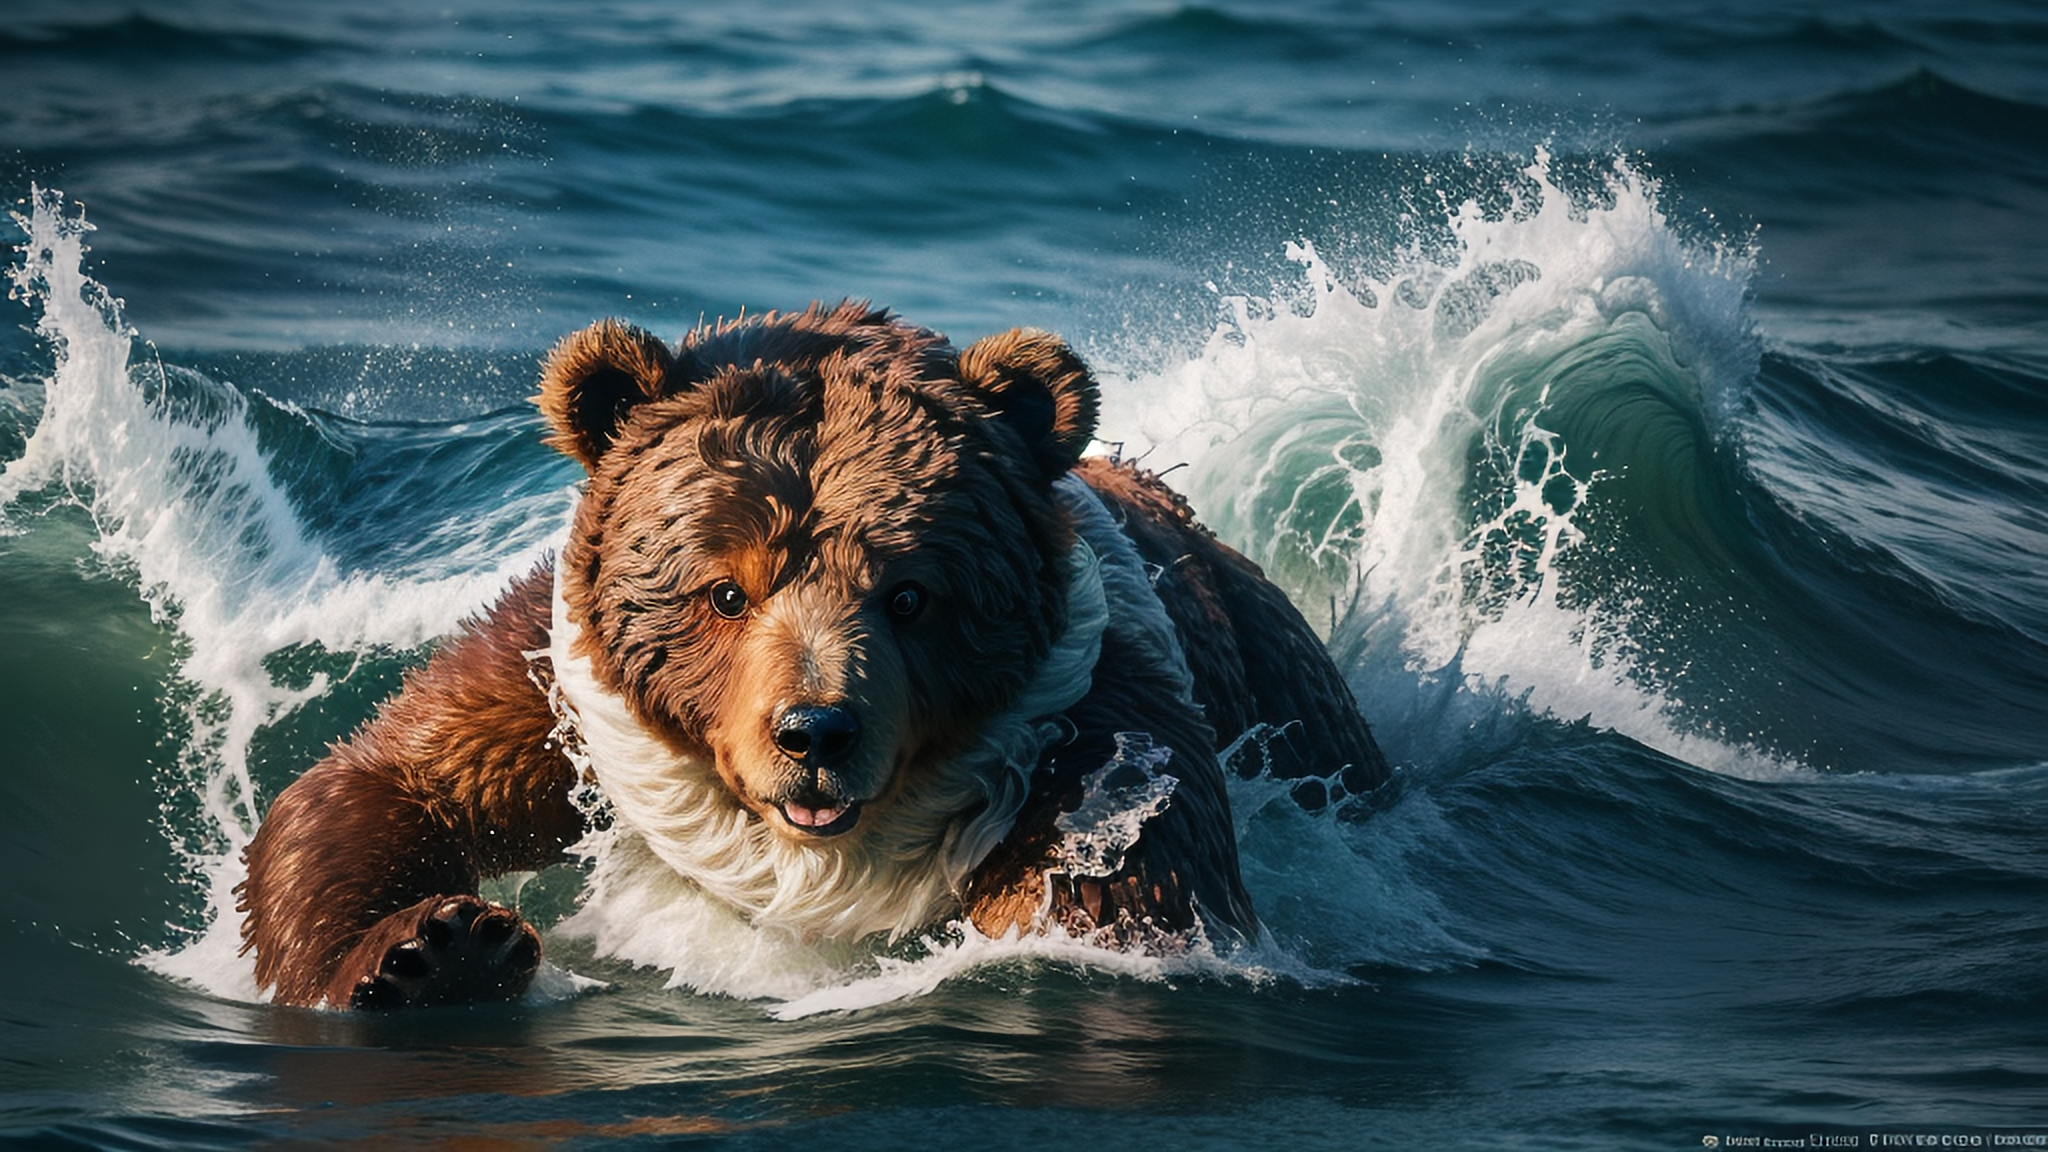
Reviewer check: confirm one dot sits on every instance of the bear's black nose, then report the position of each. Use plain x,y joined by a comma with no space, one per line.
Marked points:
816,734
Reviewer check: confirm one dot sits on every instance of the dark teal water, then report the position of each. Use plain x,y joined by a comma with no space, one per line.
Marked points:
1651,402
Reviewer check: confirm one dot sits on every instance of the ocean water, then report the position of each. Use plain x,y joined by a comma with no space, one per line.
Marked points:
1649,401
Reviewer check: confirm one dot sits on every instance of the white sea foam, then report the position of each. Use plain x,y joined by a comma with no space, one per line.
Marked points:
960,950
182,496
1373,398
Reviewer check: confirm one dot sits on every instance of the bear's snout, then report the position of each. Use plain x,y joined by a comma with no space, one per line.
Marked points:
819,740
818,736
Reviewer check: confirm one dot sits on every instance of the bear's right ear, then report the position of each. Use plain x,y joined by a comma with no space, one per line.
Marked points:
593,378
1039,386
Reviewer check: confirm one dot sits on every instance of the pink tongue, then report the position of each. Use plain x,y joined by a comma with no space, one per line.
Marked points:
812,817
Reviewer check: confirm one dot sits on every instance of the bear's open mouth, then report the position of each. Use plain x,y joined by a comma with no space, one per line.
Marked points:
820,821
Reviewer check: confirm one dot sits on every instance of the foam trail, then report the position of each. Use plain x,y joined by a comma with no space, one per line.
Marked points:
1383,449
181,495
968,950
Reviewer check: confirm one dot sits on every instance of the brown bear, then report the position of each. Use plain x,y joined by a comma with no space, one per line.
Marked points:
851,639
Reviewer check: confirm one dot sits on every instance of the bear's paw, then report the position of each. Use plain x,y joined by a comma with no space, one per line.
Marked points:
444,950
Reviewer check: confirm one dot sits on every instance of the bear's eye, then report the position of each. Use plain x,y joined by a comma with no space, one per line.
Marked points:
906,601
728,599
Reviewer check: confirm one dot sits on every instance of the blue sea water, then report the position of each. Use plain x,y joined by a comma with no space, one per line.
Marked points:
1649,401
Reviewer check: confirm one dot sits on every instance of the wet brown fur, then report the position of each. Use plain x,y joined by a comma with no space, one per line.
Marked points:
818,460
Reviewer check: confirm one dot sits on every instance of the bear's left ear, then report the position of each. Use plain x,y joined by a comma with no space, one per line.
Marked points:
1033,381
593,378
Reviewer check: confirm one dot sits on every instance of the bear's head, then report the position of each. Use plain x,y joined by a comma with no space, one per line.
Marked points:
820,548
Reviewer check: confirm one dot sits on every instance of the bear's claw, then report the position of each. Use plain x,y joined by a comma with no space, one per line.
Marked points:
463,950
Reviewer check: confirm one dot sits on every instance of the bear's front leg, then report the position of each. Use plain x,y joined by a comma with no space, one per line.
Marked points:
361,893
442,950
362,881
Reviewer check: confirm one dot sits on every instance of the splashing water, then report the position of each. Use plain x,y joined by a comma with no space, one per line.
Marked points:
1392,451
1116,801
169,467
